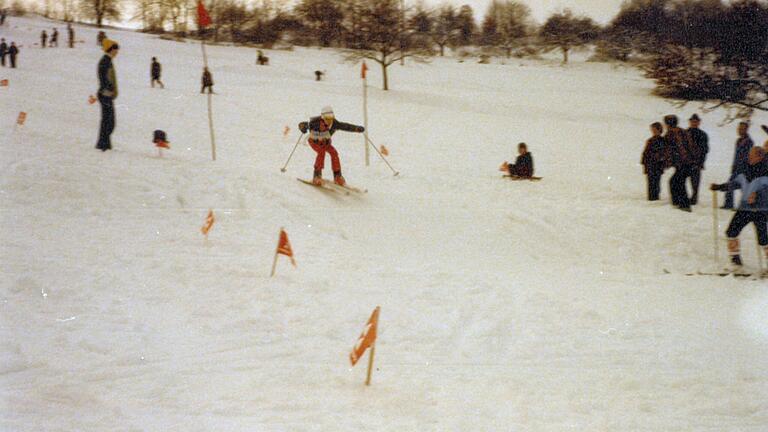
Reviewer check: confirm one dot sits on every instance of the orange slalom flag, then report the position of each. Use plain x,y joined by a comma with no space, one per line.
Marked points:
363,70
367,338
286,131
284,246
21,119
384,150
504,167
91,100
4,83
203,19
209,220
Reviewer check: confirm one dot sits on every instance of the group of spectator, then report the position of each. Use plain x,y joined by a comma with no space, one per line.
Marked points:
54,38
11,51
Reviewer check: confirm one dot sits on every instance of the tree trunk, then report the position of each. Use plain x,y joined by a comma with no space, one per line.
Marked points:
442,50
384,75
565,55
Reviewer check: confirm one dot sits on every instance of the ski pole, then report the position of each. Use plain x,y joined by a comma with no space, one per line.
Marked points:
715,224
292,151
759,253
380,155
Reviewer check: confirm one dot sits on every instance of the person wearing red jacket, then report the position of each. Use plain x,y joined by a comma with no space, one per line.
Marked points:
321,129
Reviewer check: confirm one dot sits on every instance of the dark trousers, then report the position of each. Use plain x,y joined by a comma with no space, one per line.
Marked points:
2,60
157,80
677,186
695,181
210,89
107,123
729,193
654,182
743,218
13,61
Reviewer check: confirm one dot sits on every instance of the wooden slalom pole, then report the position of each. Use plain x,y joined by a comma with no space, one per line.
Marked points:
210,107
277,248
759,253
365,121
714,227
370,364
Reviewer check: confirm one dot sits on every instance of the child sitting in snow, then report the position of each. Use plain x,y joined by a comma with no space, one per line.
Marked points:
753,206
523,166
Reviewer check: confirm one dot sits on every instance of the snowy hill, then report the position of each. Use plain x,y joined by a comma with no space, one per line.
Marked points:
510,306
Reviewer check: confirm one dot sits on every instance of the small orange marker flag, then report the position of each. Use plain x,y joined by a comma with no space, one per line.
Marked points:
21,119
504,167
286,131
367,339
383,150
363,70
209,220
4,83
283,248
91,100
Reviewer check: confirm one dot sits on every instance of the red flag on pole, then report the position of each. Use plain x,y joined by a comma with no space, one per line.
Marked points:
363,70
21,119
203,19
4,83
284,247
367,338
209,220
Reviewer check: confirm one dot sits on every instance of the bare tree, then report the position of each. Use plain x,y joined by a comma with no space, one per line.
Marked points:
565,31
100,10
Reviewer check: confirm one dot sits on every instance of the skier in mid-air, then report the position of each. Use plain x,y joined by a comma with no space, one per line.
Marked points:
320,131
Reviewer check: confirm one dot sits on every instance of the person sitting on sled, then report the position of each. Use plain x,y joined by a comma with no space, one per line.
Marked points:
753,206
320,131
523,166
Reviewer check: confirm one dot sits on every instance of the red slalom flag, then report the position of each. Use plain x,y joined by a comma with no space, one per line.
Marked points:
367,338
4,83
91,100
286,131
383,150
209,220
363,70
284,246
203,19
21,119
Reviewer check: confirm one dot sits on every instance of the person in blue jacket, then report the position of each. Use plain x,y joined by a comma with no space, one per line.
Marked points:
743,144
753,207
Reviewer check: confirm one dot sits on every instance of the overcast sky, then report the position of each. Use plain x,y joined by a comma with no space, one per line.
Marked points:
600,10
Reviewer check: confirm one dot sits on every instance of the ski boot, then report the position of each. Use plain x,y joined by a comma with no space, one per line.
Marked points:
317,178
339,179
736,265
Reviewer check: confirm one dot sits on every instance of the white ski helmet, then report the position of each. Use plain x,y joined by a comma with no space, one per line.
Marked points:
327,111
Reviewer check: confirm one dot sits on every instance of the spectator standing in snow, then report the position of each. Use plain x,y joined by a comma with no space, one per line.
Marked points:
523,166
3,15
43,38
753,206
207,81
13,51
3,51
700,142
682,156
155,71
71,35
107,94
54,38
654,161
740,159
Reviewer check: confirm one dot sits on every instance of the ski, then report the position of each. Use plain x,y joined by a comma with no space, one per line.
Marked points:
518,178
721,274
326,185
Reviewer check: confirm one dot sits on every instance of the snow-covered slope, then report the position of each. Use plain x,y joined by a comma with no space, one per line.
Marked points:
505,305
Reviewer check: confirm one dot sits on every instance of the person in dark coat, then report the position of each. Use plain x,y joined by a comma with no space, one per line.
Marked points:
321,129
753,207
654,161
54,38
743,144
682,155
523,166
71,35
207,81
3,51
155,71
13,51
700,141
107,94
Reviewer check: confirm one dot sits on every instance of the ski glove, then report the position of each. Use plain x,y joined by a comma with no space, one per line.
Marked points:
360,129
303,127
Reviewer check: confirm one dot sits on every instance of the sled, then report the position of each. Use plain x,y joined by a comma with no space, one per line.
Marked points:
518,178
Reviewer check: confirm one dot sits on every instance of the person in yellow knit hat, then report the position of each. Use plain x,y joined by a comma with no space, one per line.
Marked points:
107,93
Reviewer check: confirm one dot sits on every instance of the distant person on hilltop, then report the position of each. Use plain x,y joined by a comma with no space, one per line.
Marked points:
261,59
700,142
654,161
3,51
155,71
740,159
3,15
321,129
754,203
107,94
71,35
207,81
13,51
43,38
54,38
